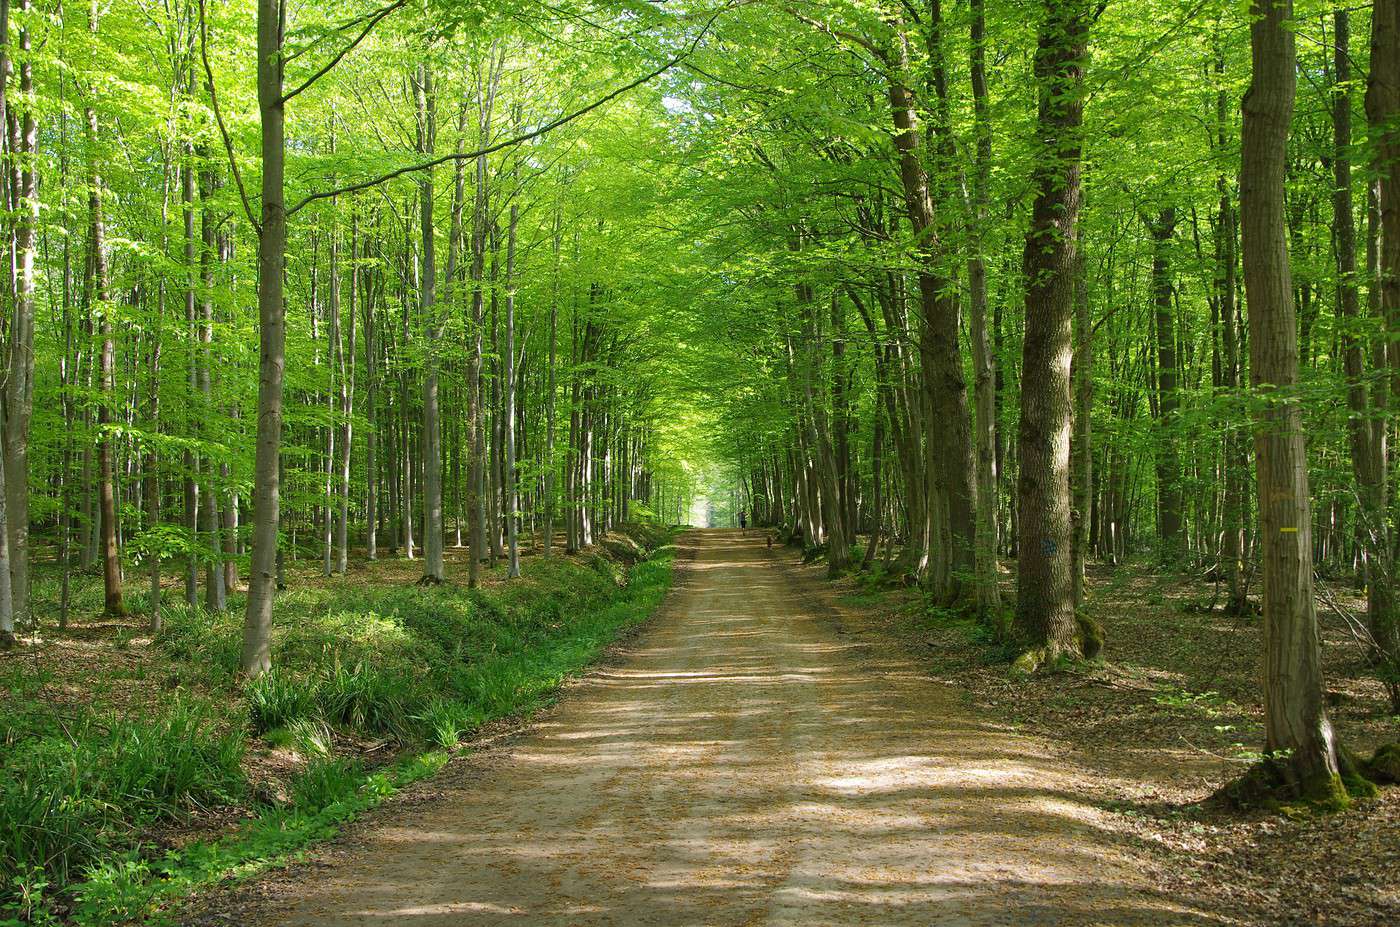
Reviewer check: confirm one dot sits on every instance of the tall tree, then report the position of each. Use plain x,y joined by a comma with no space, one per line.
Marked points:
1297,728
272,243
432,429
1045,618
1370,428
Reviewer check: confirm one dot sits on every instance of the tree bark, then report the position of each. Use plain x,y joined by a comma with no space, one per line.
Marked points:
19,385
984,361
1168,464
511,489
1296,723
215,593
272,242
106,464
432,429
1045,618
951,462
1370,427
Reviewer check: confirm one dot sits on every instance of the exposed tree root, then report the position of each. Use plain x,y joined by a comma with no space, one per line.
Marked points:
1384,766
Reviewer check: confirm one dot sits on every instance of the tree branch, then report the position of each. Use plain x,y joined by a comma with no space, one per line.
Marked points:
848,37
340,55
219,118
516,140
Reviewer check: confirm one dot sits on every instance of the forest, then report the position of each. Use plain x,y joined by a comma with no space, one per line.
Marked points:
373,369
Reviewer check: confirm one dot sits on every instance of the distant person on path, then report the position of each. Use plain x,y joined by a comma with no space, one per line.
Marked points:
743,522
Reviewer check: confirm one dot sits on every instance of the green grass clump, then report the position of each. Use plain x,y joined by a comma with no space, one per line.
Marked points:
444,721
65,800
369,699
326,780
276,699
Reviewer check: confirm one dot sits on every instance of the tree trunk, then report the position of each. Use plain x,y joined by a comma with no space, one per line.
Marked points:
476,503
952,466
1296,722
106,464
272,242
345,367
432,429
215,593
1369,428
512,494
551,388
984,362
1045,618
1168,464
1082,441
19,386
1232,549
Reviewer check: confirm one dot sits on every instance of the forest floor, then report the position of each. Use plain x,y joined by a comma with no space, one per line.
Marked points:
770,748
136,768
763,753
1171,715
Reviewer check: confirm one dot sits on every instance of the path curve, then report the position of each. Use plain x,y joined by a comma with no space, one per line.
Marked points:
744,762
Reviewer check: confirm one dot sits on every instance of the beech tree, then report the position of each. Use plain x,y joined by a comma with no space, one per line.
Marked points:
1045,603
1296,720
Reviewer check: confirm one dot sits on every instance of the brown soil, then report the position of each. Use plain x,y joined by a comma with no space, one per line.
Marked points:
1170,717
755,757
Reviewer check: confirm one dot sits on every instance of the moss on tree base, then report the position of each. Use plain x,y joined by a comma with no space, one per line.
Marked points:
1267,786
1271,786
1088,644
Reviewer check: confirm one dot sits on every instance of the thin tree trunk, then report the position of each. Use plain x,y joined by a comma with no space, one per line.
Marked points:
107,505
984,362
432,430
1377,529
345,366
1168,464
215,593
272,242
550,466
1082,441
512,492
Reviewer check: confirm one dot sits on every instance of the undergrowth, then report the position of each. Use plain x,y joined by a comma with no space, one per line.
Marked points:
416,668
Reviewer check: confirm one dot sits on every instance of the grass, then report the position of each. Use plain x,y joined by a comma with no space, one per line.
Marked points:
374,683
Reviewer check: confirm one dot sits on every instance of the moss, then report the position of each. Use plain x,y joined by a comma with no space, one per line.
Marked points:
1385,765
1269,786
1090,636
1359,786
1088,644
1325,793
1030,660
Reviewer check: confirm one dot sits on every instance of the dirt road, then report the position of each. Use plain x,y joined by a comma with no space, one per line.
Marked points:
743,763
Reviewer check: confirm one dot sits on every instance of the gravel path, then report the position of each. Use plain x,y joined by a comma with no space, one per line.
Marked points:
744,762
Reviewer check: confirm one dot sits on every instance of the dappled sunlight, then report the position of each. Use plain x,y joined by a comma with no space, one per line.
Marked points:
744,765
